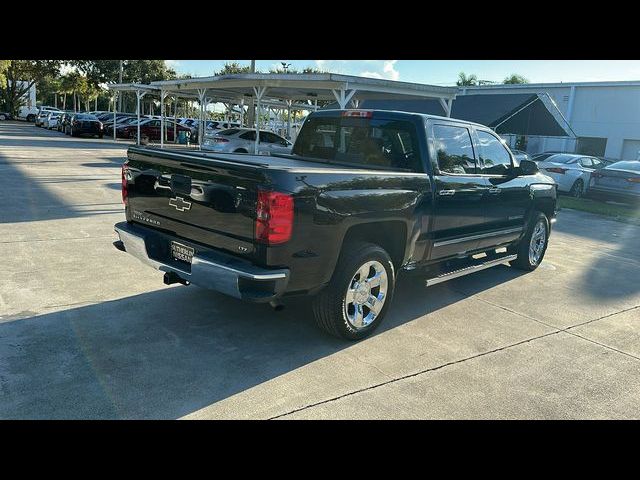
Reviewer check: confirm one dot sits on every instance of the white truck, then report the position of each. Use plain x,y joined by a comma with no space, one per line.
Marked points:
30,113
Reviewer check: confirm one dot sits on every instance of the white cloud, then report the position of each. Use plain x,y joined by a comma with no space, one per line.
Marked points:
389,69
388,72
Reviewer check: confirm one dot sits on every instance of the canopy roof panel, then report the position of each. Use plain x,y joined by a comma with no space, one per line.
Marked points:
294,86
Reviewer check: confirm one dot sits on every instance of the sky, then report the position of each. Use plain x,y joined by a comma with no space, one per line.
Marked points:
445,72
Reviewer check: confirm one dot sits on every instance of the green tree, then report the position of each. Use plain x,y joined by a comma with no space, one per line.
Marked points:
20,75
466,81
515,79
230,68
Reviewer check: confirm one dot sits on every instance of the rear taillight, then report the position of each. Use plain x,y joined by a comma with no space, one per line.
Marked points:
556,170
221,140
125,192
634,179
274,217
357,113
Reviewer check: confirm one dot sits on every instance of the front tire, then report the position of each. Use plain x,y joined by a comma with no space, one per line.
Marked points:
533,245
356,300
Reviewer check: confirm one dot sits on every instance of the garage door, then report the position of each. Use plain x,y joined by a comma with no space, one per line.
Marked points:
631,150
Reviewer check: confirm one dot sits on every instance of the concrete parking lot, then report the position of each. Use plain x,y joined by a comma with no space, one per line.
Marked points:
89,332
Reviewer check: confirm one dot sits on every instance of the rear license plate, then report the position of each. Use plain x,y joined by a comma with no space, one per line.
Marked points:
182,252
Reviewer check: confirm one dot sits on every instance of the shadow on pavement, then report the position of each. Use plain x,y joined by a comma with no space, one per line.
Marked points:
168,353
615,271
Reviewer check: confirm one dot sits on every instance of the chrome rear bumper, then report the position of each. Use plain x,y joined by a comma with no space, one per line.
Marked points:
209,269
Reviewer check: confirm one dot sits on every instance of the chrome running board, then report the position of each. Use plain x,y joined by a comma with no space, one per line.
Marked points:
470,269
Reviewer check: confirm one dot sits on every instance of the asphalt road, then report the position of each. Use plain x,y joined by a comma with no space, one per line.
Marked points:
87,331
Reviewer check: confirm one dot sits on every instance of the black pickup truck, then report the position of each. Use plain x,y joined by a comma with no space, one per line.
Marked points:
363,196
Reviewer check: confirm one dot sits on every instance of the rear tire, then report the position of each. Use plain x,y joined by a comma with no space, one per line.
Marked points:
533,246
3,116
31,117
240,150
577,189
342,308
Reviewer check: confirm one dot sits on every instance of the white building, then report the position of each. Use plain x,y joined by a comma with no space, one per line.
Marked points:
604,115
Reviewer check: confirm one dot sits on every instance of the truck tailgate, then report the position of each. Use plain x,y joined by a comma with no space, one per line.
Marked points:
195,197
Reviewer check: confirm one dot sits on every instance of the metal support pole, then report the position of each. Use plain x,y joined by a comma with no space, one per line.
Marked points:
115,97
201,96
259,92
175,119
342,97
139,95
242,112
162,97
119,81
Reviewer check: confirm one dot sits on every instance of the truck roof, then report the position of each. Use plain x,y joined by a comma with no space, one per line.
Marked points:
399,113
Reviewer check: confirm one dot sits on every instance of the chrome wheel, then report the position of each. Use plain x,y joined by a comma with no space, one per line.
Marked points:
538,242
366,294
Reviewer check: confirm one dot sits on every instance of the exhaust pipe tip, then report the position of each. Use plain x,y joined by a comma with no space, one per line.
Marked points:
277,306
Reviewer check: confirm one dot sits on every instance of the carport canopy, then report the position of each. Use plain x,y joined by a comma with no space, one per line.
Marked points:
301,91
140,89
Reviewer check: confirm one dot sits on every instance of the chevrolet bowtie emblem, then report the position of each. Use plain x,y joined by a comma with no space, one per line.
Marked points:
180,204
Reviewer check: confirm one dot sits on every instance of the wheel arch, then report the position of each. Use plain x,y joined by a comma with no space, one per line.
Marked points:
391,235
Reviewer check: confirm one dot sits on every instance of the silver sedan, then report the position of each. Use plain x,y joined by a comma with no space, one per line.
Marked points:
242,140
572,172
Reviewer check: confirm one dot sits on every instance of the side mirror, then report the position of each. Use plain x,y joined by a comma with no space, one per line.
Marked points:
528,167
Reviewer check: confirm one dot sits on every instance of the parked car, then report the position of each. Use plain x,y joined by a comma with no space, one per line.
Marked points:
43,112
618,181
340,217
120,121
123,122
150,128
570,171
63,121
5,116
541,157
51,121
85,124
242,140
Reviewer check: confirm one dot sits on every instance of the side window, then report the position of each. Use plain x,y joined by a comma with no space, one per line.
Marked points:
454,150
493,154
597,163
586,162
251,135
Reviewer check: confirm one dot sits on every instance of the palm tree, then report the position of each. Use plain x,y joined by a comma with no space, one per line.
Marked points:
66,87
515,79
464,81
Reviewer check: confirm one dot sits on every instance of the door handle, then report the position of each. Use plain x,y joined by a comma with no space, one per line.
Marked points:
494,190
446,193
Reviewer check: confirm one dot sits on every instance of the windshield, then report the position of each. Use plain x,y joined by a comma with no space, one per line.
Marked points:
360,141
